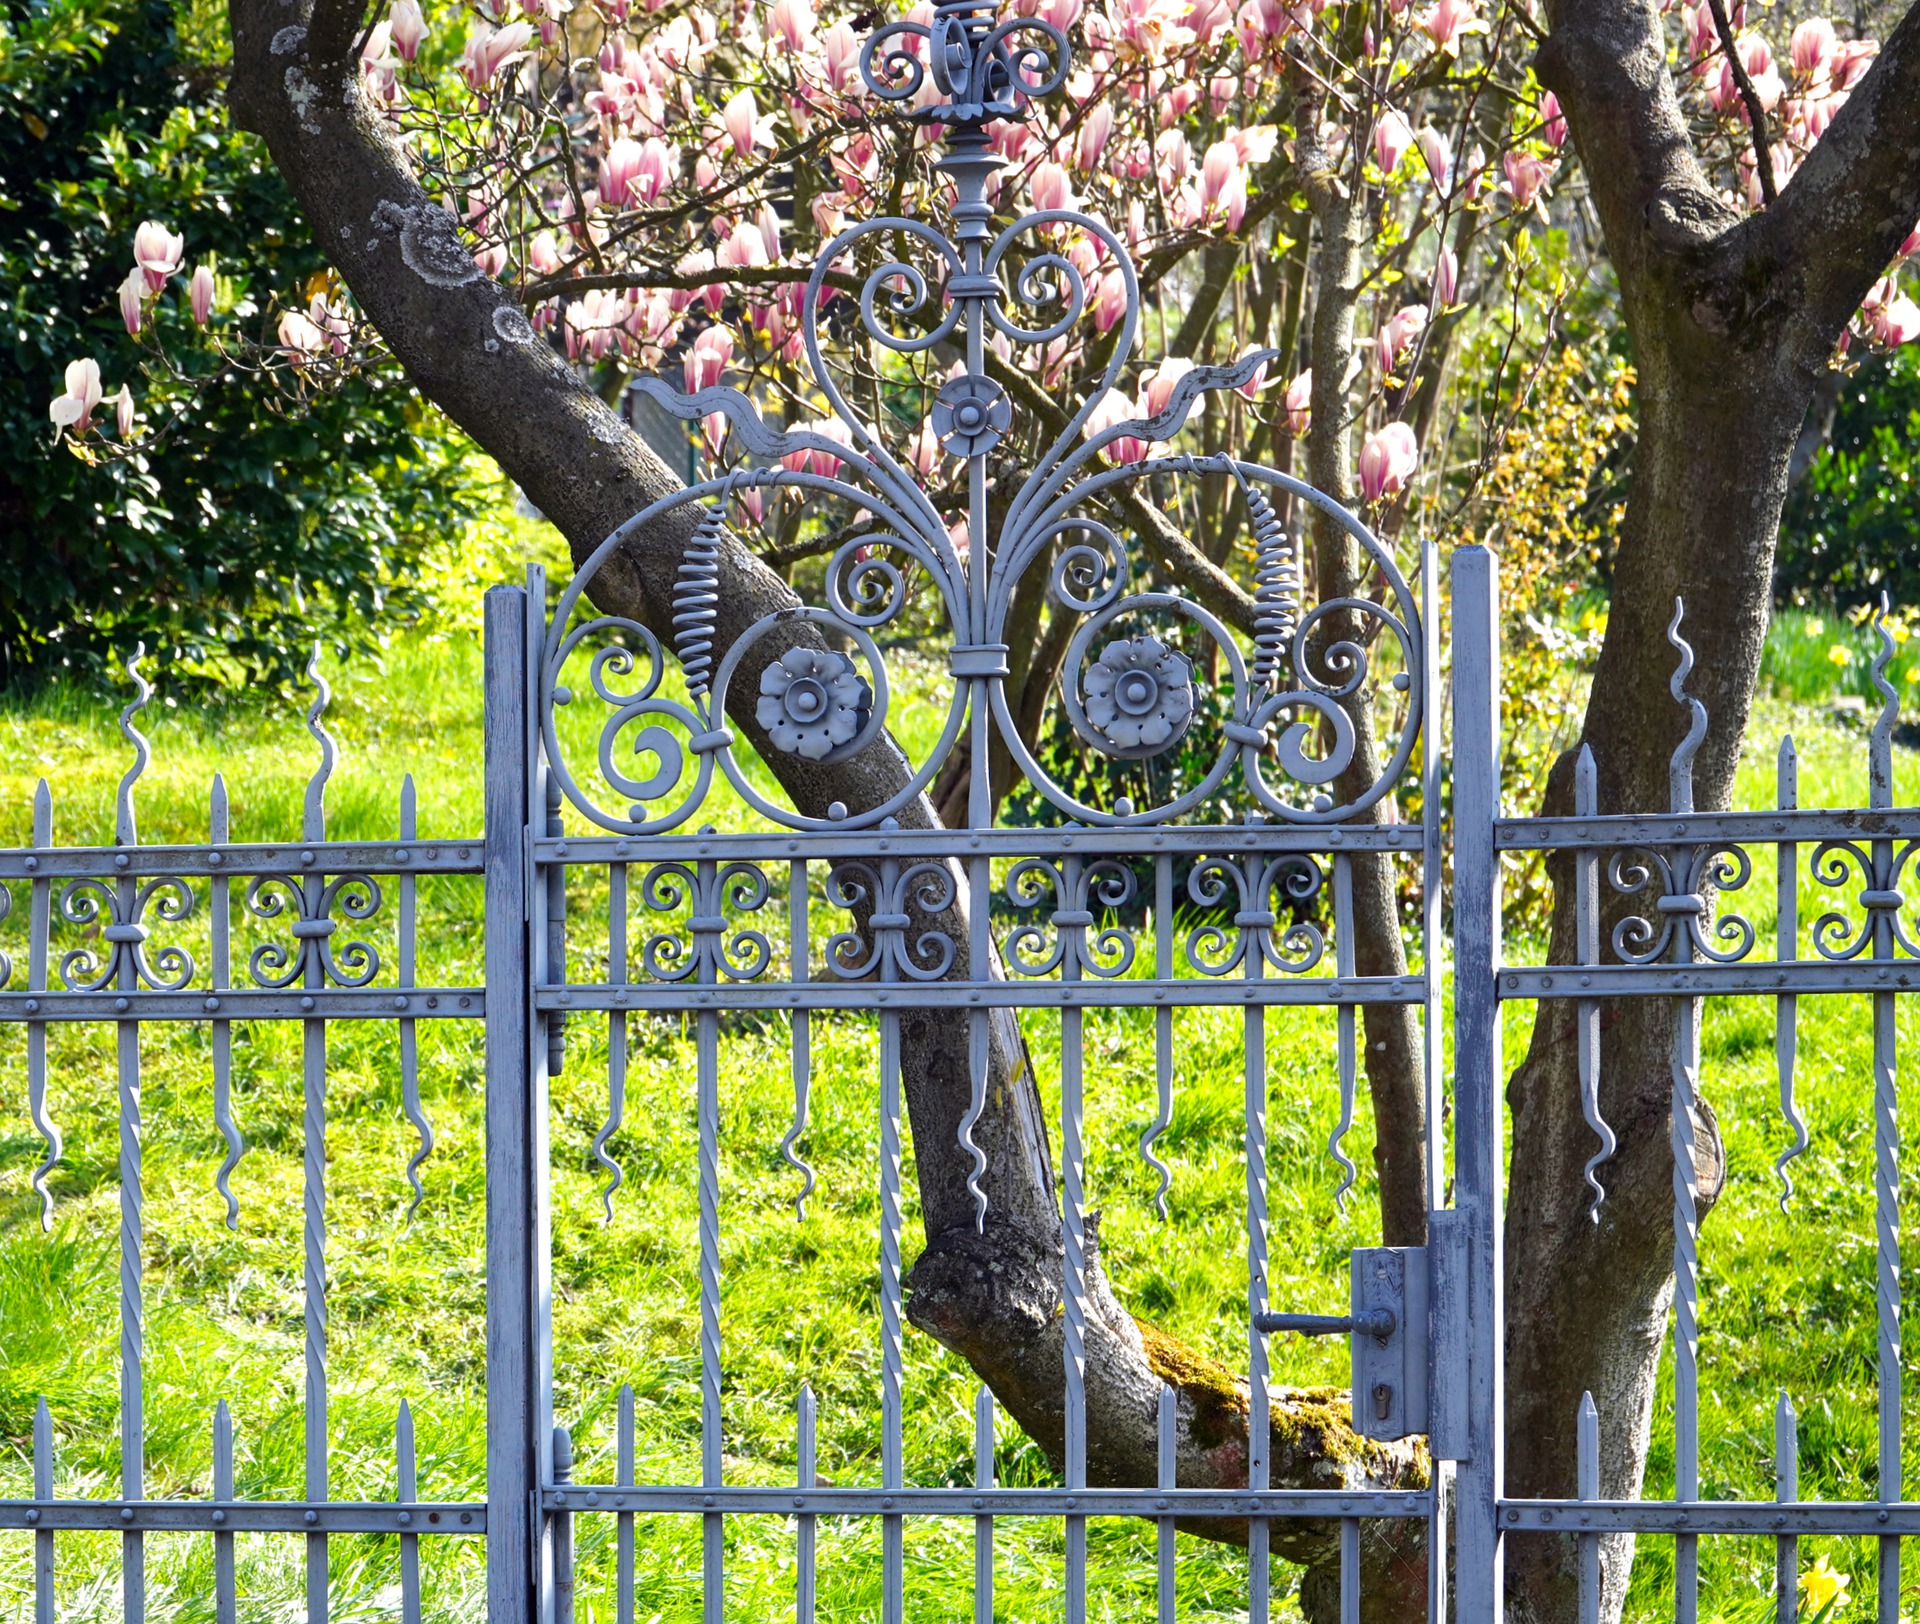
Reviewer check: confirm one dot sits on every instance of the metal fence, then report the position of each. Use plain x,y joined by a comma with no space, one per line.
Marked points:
608,900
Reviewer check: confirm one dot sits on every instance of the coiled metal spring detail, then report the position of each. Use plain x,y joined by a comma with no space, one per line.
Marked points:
1276,597
696,599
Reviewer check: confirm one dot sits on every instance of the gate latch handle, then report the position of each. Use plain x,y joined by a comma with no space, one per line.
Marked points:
1376,1322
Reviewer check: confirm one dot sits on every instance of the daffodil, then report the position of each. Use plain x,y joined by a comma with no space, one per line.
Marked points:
1840,654
1823,1590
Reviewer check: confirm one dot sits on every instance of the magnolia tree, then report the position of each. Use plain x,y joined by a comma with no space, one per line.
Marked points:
530,204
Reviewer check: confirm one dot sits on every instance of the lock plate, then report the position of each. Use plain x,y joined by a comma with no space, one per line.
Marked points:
1390,1369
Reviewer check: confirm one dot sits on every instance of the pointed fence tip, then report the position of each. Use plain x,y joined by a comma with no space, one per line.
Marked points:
1588,1407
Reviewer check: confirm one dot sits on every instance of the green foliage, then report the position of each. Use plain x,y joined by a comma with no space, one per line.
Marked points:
1848,530
247,523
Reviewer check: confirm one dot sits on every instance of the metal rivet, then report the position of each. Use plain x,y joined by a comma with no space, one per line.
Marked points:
593,1499
883,1504
978,1502
433,1003
126,1513
559,1498
32,864
405,1518
214,859
1586,981
462,854
620,848
883,845
400,1001
973,998
1546,1516
620,1502
1160,1505
1513,1516
306,1003
465,1516
403,855
306,857
466,1003
566,998
33,1006
33,1513
311,1517
1880,1517
799,1499
120,1004
1546,981
120,861
559,848
973,840
1071,1502
706,1500
213,1003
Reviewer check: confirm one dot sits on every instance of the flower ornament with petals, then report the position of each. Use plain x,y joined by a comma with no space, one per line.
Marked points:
812,701
1139,697
970,415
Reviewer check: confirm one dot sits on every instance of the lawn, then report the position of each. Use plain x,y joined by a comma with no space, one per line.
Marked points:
1787,1299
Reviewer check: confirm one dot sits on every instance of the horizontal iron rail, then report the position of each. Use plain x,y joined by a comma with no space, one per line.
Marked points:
1039,993
249,1516
970,1502
1748,976
1766,1517
208,861
248,1004
1208,840
1692,828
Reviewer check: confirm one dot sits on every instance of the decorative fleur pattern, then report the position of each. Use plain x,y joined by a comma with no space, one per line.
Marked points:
116,913
1079,892
895,946
713,945
1270,895
314,909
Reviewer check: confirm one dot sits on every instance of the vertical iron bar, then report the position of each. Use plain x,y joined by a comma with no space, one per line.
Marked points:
1686,1304
1886,1151
892,1463
1259,1415
556,901
39,929
407,1487
1164,969
983,1478
313,1186
1786,1489
1349,1570
510,1171
805,1575
226,1597
1073,1167
408,973
1586,909
1479,1579
43,1537
1347,1043
1168,1477
623,1523
617,972
1786,1007
132,1242
220,978
541,967
1587,1475
801,1029
707,1063
1433,982
562,1530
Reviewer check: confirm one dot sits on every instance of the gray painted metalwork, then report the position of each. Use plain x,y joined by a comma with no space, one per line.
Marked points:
1166,907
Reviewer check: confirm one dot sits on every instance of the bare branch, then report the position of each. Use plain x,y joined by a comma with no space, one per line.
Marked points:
1749,98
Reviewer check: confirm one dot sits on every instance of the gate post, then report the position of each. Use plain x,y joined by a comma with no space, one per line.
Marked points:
511,1200
1478,1184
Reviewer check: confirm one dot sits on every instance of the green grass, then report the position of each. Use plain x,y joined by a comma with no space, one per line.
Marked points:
1788,1300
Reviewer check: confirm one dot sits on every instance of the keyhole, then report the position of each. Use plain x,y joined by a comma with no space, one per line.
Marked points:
1382,1401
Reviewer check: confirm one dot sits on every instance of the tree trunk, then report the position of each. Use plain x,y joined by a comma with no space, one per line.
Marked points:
1733,319
992,1298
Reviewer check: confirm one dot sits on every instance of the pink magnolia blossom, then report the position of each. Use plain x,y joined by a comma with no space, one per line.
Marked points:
1233,199
1172,157
200,294
133,292
1703,37
744,126
790,25
1438,157
1813,48
1109,411
753,505
1299,403
1850,64
813,460
491,259
156,251
1387,461
408,27
1257,381
1396,338
1527,177
1096,130
1156,387
543,254
1109,301
489,50
1449,20
1446,278
707,358
1553,122
1392,136
123,411
1890,316
1757,58
842,48
1217,168
923,450
744,247
1050,188
74,409
1254,143
300,337
1911,246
